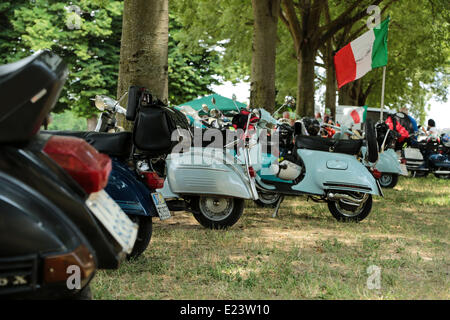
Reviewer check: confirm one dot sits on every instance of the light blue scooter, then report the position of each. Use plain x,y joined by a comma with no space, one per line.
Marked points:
325,170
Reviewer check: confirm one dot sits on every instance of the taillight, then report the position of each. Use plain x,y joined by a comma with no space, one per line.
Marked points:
56,267
153,180
86,165
376,174
251,172
403,160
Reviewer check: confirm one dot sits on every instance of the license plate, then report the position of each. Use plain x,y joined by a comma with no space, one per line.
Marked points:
161,206
108,212
403,169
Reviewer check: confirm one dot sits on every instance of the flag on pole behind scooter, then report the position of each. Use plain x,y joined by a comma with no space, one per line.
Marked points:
352,116
367,52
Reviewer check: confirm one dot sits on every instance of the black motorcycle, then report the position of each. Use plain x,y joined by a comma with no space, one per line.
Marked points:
57,225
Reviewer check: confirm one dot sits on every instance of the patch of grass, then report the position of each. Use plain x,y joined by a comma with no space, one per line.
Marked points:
304,253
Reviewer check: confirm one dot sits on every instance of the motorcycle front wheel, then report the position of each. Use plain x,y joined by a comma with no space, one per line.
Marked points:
215,212
345,212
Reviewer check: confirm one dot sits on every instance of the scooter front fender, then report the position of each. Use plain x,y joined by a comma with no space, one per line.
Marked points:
208,172
131,195
325,171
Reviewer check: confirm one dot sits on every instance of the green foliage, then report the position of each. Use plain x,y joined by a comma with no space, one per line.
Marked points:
418,68
89,46
190,74
67,120
214,24
92,51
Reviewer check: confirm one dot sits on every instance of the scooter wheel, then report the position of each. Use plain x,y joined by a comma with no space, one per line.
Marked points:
217,212
267,200
144,235
388,180
346,213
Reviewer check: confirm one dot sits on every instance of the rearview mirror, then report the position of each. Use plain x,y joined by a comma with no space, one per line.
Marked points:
100,104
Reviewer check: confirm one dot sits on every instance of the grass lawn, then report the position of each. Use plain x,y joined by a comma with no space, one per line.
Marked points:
302,254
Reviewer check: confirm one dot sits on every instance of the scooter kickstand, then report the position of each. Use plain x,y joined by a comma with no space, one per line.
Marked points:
277,208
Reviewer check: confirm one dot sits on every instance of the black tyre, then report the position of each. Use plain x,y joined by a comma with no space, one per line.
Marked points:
144,235
83,294
441,175
215,212
388,180
345,213
267,200
371,138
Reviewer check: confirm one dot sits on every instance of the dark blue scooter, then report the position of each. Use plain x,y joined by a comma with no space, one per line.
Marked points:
132,181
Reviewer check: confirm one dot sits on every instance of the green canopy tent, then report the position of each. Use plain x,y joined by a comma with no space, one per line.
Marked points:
225,105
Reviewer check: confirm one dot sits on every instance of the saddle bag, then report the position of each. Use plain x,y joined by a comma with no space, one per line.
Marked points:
154,125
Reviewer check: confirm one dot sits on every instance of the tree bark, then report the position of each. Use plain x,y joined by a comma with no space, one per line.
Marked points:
305,78
262,85
144,47
330,93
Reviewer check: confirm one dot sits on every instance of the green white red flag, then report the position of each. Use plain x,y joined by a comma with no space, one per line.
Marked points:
363,54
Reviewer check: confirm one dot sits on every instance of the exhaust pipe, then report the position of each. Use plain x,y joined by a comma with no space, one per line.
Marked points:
442,172
346,198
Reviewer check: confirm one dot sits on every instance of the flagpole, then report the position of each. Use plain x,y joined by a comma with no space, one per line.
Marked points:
382,93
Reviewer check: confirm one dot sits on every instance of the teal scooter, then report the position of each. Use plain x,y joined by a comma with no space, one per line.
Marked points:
323,169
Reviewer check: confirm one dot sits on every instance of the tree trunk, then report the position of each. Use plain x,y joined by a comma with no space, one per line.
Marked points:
305,78
144,47
330,93
91,123
262,86
350,94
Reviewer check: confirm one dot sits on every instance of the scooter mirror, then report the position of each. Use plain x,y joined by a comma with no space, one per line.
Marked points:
100,103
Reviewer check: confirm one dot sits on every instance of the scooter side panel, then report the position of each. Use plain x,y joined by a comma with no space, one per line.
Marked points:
131,195
334,171
388,162
197,172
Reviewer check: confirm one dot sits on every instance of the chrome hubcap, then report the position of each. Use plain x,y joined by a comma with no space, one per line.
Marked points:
216,209
385,179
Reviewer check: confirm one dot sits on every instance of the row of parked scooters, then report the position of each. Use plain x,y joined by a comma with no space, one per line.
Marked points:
74,202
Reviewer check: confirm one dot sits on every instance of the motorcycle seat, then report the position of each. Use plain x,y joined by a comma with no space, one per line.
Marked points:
116,144
351,146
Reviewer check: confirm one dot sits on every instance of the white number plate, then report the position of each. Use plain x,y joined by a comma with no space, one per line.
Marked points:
108,212
161,206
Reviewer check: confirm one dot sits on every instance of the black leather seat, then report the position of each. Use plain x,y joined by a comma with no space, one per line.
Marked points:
351,147
117,144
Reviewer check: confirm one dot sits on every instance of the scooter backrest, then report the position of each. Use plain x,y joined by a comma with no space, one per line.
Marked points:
29,89
134,97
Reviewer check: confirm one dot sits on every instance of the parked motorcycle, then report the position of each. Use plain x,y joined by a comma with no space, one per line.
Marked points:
57,225
207,182
133,181
431,156
325,170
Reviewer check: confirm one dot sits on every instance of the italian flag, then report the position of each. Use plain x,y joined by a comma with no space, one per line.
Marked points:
363,54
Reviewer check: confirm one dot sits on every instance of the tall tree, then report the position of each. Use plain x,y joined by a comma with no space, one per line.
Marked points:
262,85
144,47
303,19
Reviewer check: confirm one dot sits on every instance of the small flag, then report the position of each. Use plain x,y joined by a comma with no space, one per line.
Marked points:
352,116
363,54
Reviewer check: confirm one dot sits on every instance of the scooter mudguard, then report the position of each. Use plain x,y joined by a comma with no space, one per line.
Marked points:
334,171
208,171
388,162
131,195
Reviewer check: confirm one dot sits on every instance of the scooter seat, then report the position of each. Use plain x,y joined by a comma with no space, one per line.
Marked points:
351,147
116,144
